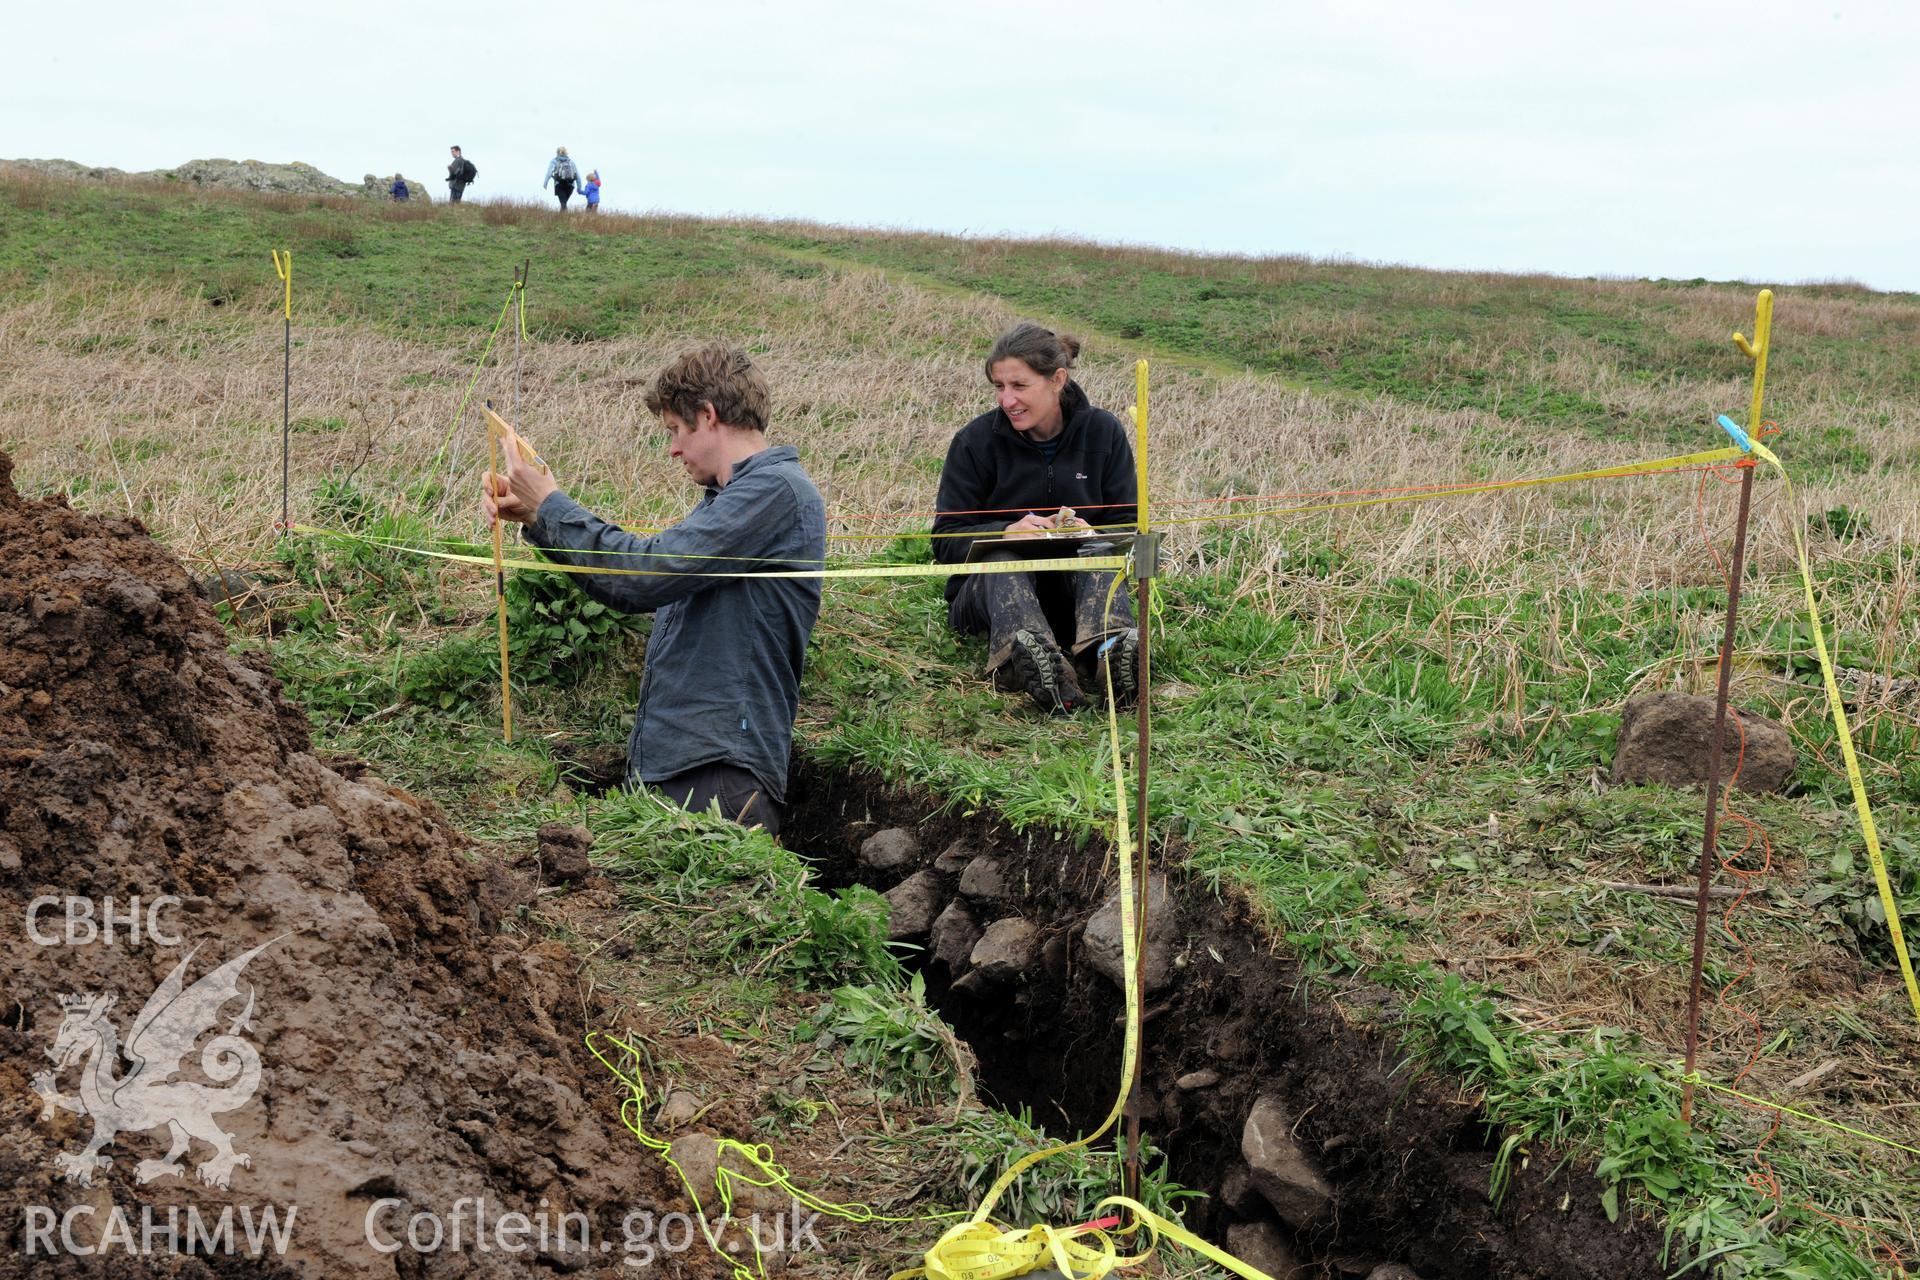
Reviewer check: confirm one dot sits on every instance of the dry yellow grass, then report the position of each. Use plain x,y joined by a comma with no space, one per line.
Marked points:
870,388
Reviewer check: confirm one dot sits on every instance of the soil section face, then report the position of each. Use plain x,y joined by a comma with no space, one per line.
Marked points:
1406,1165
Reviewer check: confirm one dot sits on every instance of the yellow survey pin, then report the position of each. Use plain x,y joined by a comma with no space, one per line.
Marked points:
1756,351
283,267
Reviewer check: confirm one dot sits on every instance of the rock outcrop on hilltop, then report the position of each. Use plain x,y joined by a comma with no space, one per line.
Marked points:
295,178
377,188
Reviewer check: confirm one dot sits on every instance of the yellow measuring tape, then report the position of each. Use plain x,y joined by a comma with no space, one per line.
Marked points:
851,571
1757,350
980,1249
1855,780
1762,1103
762,1170
1710,457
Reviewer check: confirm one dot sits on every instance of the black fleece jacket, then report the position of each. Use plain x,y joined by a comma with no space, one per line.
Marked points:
993,468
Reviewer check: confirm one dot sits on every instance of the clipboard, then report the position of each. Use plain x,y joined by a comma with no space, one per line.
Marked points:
1052,546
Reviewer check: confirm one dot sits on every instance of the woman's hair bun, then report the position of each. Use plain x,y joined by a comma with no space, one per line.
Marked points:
1040,348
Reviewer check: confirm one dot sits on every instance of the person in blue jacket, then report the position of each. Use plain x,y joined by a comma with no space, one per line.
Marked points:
563,175
1044,461
591,190
399,190
722,680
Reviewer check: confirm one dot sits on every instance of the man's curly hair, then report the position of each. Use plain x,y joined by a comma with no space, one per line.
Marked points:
717,375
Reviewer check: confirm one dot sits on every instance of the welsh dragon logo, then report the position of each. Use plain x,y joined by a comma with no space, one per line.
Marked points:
150,1094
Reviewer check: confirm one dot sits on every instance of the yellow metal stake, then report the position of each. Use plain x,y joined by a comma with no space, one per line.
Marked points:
498,432
1145,565
283,267
500,585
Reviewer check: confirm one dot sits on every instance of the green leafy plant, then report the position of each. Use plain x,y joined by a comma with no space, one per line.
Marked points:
892,1035
1452,1023
555,631
842,937
1650,1149
450,674
555,636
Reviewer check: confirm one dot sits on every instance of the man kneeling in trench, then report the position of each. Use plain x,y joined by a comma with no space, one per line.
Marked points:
722,681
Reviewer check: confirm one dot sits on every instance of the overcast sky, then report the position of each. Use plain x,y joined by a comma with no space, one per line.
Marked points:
1768,141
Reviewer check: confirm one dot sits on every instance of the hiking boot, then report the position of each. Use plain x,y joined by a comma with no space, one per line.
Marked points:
1116,659
1037,666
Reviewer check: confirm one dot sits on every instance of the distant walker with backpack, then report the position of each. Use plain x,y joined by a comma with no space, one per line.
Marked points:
562,174
460,175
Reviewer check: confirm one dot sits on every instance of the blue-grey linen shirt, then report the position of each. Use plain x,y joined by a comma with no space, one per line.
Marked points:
722,679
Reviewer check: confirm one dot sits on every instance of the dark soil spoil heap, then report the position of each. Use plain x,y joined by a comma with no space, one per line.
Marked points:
406,1049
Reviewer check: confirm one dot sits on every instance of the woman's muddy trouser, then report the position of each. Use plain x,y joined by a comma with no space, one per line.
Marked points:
1071,607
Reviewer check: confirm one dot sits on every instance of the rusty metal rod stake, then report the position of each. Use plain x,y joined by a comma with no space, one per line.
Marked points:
1710,846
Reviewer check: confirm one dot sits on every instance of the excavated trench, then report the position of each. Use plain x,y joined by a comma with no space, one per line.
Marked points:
1313,1150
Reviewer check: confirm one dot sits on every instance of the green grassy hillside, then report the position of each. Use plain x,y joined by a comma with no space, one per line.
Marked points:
1385,731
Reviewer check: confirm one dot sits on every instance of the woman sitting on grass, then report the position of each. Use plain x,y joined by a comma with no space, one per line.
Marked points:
1030,467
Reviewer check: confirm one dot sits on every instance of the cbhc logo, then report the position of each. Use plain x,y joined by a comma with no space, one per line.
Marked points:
82,924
